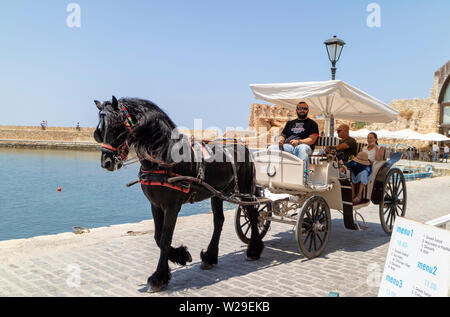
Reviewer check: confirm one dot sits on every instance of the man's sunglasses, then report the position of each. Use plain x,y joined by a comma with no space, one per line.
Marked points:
302,108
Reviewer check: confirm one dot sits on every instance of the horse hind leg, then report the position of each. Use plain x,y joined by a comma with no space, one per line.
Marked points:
256,245
210,257
247,186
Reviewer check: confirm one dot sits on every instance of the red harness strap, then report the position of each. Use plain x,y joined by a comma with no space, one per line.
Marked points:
164,184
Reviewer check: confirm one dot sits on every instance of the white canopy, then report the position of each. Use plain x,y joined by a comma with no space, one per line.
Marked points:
360,133
433,136
327,98
408,134
385,134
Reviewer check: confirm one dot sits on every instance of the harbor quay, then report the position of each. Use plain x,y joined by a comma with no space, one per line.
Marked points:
116,261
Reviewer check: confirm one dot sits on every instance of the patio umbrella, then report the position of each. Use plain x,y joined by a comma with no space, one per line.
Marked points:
408,134
433,136
327,98
385,134
360,133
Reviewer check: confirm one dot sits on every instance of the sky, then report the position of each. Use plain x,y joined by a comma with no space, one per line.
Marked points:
196,58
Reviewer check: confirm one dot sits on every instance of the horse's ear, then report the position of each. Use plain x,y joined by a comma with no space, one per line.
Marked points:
115,103
98,104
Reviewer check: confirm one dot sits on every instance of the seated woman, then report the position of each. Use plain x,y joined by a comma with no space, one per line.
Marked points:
361,166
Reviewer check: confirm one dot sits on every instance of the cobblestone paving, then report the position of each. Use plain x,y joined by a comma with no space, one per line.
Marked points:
108,262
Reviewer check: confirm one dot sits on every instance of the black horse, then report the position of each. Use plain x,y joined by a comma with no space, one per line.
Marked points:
159,147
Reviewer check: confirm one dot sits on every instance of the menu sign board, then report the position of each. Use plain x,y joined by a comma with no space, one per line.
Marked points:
418,261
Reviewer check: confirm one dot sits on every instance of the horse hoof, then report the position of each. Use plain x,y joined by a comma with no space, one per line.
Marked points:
155,288
249,259
206,266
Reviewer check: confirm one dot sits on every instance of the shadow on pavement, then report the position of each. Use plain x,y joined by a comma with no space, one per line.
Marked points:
280,248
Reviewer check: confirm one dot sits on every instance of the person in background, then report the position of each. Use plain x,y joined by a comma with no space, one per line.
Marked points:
78,126
446,150
436,152
43,125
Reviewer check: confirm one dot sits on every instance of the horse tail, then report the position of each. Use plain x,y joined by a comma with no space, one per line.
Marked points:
247,175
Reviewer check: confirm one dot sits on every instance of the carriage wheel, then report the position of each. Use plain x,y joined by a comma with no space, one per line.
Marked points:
393,204
313,227
242,224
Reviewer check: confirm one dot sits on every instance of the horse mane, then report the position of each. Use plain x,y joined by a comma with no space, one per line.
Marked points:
152,130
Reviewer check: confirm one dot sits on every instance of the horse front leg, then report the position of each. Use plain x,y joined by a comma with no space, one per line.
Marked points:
256,245
160,278
178,255
212,253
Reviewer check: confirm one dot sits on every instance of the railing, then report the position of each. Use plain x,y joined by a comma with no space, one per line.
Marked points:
441,222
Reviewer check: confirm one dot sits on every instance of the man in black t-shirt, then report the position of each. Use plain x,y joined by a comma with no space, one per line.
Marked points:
299,136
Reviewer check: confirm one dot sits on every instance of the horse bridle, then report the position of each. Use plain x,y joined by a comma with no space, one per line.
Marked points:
121,151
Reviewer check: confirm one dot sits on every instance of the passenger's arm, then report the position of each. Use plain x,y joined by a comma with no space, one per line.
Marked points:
343,146
310,140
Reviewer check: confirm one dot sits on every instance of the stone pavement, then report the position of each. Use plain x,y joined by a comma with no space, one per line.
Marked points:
109,262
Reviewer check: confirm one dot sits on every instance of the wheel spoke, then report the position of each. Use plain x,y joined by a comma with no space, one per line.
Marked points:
392,213
246,231
313,212
314,239
242,226
390,188
309,216
307,236
320,239
389,215
388,208
310,243
400,191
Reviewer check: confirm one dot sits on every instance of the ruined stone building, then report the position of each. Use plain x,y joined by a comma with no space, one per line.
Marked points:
425,115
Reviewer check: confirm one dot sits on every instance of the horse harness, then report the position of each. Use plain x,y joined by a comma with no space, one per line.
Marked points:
158,177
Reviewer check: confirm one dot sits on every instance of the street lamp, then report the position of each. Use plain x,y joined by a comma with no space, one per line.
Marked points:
334,49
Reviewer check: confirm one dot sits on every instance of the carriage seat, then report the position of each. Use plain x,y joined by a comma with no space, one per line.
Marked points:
321,143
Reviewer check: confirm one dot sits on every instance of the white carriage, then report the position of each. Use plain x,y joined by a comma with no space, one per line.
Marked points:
307,206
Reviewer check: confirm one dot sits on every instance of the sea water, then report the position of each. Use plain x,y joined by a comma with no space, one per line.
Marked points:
90,196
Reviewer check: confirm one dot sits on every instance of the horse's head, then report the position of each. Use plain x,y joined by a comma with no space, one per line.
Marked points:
113,129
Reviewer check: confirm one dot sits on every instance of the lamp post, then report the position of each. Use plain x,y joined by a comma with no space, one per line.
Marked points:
334,49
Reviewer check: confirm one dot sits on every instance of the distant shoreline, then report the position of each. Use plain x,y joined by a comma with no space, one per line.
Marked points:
52,138
49,145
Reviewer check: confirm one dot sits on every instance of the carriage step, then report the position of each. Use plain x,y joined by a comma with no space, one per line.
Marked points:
347,204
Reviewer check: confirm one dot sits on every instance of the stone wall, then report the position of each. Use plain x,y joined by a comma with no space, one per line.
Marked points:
30,133
420,115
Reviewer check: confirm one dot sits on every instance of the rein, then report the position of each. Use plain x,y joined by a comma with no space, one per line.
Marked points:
129,124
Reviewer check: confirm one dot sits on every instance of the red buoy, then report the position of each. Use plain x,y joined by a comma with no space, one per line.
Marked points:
59,188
